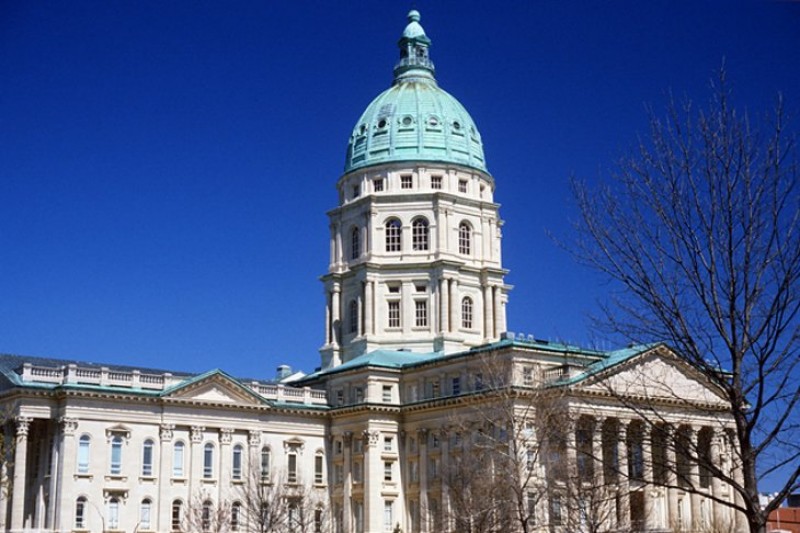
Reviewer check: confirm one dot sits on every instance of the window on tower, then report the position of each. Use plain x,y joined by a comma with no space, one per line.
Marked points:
419,234
355,243
353,316
436,182
394,314
464,238
421,313
466,312
393,235
406,182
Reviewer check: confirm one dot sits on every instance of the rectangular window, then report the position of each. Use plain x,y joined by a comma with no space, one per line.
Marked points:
113,513
388,518
116,455
340,397
144,515
147,458
83,454
456,386
387,444
394,314
359,395
176,515
292,474
436,182
208,461
462,185
237,462
421,313
318,461
177,460
387,393
80,513
356,191
394,288
527,376
414,466
377,184
357,472
387,471
359,446
555,511
406,182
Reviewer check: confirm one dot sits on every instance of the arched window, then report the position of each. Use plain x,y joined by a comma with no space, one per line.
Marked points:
112,520
464,238
116,455
355,243
319,462
208,461
83,454
265,460
205,517
419,234
237,462
147,458
177,515
466,312
393,235
177,459
353,316
145,521
236,515
80,513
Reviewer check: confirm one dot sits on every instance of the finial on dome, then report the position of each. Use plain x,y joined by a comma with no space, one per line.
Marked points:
415,63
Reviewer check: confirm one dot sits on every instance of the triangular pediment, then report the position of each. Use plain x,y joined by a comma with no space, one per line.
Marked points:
658,375
214,387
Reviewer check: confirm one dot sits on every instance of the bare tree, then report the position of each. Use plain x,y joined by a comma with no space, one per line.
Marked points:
204,515
701,230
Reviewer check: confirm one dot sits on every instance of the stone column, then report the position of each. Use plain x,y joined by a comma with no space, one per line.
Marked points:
195,466
62,499
444,305
164,504
368,308
573,477
488,318
336,314
624,518
328,319
499,324
672,478
373,483
20,473
422,469
694,477
650,520
455,306
444,444
225,463
719,511
347,488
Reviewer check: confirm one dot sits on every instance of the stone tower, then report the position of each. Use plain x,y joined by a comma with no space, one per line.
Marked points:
415,259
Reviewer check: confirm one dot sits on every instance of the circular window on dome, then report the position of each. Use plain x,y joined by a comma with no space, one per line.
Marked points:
363,129
457,125
407,121
381,123
433,121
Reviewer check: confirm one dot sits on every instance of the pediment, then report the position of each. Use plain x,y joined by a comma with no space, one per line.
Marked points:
658,375
215,387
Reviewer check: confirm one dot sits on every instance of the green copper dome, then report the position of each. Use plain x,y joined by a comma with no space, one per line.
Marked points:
414,120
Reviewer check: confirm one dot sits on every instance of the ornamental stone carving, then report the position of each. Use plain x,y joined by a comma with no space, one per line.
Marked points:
371,437
69,425
23,425
197,434
166,432
254,438
225,435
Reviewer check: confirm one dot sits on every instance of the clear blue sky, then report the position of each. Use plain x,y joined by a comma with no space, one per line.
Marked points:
165,167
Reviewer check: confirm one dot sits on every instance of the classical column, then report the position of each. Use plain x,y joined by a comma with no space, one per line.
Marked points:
499,325
422,469
328,319
694,477
650,520
444,305
164,503
64,469
716,483
573,476
336,314
488,318
455,306
225,463
624,516
444,444
20,473
368,308
373,483
347,488
672,477
195,450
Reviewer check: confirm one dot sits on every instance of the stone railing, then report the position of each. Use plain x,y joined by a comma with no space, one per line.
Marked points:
135,379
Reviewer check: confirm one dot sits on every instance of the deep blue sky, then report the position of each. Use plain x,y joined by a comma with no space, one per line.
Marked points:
165,167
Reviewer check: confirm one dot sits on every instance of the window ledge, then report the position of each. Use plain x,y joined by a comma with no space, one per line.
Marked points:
147,479
116,477
208,481
83,475
178,481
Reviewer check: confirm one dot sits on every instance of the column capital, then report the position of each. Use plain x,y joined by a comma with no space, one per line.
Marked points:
347,438
422,432
23,425
165,432
371,437
225,435
69,424
197,434
253,438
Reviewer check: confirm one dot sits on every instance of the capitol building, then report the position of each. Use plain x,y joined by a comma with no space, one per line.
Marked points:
425,415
